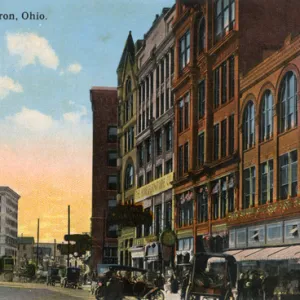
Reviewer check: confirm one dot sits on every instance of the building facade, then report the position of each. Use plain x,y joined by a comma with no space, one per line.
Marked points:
154,140
127,90
215,41
9,221
25,250
266,223
105,174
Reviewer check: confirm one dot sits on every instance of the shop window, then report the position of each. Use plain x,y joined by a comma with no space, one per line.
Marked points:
288,102
266,123
241,237
274,233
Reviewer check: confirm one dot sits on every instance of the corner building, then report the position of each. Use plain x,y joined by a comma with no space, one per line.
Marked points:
265,228
105,174
215,41
155,123
127,90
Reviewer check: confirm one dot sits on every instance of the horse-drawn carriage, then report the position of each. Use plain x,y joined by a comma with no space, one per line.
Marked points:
72,278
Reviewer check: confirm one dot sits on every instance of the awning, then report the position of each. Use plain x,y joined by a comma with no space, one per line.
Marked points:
242,255
291,252
265,253
137,252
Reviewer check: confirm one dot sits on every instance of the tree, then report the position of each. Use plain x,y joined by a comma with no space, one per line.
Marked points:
81,244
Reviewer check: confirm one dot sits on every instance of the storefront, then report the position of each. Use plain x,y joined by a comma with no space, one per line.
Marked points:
153,257
137,256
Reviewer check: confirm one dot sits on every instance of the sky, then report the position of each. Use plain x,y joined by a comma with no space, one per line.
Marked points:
47,68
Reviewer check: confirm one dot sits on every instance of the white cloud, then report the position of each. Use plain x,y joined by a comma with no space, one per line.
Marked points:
8,85
74,68
75,116
32,120
32,48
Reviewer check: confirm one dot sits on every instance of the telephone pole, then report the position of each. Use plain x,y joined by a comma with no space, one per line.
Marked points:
38,241
68,235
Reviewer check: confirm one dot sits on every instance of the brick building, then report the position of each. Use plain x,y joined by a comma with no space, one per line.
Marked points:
215,41
266,222
105,173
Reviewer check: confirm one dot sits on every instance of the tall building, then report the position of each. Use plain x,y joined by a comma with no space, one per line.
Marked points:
264,229
215,42
9,221
105,174
154,140
127,90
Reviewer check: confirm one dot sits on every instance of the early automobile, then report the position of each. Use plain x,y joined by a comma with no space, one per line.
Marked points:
120,281
213,276
72,278
53,276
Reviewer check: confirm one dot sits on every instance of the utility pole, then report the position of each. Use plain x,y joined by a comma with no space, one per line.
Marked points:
38,241
54,250
69,236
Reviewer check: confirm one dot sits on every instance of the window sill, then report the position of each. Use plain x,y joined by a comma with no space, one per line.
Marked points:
183,131
265,141
287,131
249,149
222,40
222,105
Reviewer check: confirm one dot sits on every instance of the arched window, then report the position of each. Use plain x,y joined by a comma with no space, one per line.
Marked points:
128,87
202,36
249,126
129,177
266,123
288,102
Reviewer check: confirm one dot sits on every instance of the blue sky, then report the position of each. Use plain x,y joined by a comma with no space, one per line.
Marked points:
47,68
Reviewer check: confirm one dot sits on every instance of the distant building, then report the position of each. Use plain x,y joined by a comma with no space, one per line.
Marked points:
48,252
25,249
9,221
105,174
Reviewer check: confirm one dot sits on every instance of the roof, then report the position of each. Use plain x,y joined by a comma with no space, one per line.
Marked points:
129,49
103,88
25,240
9,190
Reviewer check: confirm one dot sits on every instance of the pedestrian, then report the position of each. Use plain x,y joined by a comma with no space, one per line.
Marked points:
174,284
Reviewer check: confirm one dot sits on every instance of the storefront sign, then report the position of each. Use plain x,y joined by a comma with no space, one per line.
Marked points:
155,187
168,238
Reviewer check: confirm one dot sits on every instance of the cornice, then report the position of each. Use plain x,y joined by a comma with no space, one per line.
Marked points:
5,190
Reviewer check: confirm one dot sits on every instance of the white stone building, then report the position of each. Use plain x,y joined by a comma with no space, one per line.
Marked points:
8,221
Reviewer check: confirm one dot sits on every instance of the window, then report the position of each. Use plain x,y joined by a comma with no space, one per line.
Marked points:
112,134
112,158
216,142
224,17
167,99
224,82
157,77
231,134
249,126
148,177
231,77
148,149
167,65
162,71
266,123
186,110
151,85
143,121
147,229
141,180
112,182
288,165
172,61
216,91
158,219
202,204
158,139
202,36
112,203
169,136
180,161
184,50
168,215
249,188
266,182
141,154
186,211
201,149
186,158
169,166
157,107
129,177
180,116
274,232
162,103
201,99
158,171
288,102
223,138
